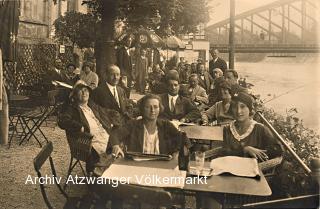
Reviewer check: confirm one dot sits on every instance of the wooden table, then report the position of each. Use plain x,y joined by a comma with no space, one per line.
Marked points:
229,184
211,133
215,184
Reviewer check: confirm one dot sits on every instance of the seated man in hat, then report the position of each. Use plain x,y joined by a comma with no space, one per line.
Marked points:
177,107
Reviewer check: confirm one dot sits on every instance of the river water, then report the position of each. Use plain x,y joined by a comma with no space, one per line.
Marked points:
297,79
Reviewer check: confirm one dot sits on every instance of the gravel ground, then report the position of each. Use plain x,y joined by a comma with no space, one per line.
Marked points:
18,164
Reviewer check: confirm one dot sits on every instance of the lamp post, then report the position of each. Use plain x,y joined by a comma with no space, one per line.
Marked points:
231,35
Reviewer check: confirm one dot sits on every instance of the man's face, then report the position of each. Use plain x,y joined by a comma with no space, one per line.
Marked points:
58,64
230,78
113,75
173,87
215,54
201,69
129,42
193,81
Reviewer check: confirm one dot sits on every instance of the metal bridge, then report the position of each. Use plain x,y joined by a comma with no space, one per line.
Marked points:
283,26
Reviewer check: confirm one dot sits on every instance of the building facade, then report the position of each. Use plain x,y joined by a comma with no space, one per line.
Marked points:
37,18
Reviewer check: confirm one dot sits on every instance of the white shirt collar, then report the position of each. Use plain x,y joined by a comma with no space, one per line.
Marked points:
111,87
215,59
174,98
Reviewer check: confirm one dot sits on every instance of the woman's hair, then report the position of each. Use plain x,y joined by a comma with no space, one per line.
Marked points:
142,102
87,64
246,99
71,64
235,73
75,91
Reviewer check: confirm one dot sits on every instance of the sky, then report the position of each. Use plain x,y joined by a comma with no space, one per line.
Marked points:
220,8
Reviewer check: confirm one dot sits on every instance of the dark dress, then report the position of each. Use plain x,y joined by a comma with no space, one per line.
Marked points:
257,136
132,135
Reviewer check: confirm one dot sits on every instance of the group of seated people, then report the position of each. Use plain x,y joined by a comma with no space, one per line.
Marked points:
103,112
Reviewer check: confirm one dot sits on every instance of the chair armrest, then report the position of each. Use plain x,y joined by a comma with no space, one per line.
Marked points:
212,153
272,163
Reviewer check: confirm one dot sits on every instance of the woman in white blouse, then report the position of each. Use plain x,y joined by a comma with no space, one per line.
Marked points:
78,117
149,135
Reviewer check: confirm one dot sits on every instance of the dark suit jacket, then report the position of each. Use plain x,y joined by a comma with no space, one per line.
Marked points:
103,97
207,82
132,135
124,61
220,63
72,119
183,109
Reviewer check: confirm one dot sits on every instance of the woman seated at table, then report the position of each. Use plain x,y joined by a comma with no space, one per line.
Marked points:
78,118
246,137
149,135
220,111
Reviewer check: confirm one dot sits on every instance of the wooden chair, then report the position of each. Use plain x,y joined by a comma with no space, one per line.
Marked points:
80,151
72,202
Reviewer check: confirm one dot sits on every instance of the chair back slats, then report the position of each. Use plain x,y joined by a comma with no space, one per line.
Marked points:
80,146
43,155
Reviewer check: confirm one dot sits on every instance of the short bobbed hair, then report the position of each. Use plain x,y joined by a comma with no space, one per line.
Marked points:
142,102
235,73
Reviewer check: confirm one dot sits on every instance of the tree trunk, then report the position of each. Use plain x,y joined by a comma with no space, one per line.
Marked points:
104,46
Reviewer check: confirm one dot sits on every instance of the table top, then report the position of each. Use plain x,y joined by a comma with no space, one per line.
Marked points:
212,133
233,185
216,184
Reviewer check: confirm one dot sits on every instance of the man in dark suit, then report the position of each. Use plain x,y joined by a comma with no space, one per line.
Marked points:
177,107
216,62
125,64
109,95
205,79
231,76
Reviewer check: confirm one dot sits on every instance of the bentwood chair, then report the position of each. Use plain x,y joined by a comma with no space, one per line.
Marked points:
80,151
72,202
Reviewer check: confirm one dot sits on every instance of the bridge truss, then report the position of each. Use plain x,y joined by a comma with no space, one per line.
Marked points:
283,25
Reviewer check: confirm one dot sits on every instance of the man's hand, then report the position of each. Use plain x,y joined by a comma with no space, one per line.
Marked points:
117,151
256,153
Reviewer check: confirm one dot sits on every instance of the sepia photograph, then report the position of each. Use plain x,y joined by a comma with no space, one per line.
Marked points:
159,104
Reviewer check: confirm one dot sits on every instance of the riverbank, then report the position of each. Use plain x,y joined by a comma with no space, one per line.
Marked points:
286,83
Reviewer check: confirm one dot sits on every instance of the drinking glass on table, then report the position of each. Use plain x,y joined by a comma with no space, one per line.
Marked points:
199,161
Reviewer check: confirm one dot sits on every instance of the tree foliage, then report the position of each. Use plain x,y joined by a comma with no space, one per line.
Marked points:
76,28
175,16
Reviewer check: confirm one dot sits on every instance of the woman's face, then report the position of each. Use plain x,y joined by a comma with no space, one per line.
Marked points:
217,74
83,95
87,69
240,111
151,109
225,95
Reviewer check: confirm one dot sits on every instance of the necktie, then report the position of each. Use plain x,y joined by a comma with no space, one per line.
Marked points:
115,94
171,105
